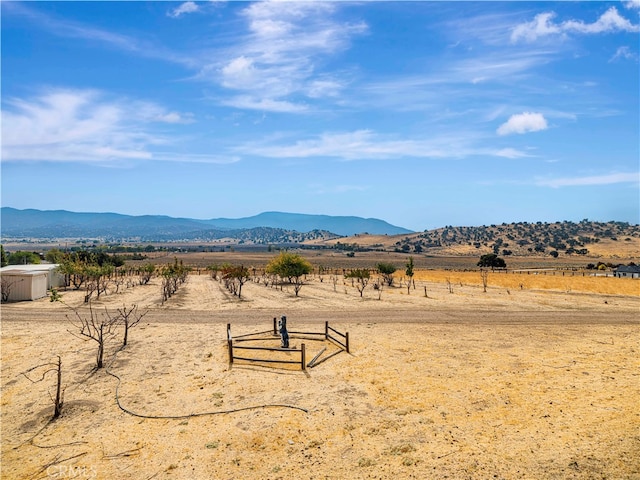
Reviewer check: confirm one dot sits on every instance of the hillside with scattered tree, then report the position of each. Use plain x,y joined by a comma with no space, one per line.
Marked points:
585,238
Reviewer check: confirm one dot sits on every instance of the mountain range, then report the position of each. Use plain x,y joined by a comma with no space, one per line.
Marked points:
31,223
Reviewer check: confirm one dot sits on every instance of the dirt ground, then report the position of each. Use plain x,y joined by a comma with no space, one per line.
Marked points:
508,383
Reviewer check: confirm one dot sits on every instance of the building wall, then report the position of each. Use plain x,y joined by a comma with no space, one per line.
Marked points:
630,275
26,285
627,274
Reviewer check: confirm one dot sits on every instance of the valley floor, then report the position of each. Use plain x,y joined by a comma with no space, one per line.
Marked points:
526,384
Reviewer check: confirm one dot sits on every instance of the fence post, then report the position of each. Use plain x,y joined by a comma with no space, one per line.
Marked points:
303,357
229,343
326,330
347,341
275,326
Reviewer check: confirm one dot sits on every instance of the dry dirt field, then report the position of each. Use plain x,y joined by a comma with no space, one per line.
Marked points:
537,378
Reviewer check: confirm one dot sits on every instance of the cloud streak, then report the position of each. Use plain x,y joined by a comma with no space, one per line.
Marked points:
607,179
369,145
624,53
73,29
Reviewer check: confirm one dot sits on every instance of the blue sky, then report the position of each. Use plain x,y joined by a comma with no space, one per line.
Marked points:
423,114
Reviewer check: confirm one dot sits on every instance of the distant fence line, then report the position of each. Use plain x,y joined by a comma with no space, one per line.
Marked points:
553,272
258,273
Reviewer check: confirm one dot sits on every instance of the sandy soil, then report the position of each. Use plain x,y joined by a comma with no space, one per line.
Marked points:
504,384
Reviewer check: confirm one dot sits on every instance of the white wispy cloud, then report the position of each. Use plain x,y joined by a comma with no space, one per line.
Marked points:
511,153
249,102
274,64
73,29
82,126
324,87
471,80
152,112
186,7
369,145
359,144
523,123
543,25
624,53
606,179
204,158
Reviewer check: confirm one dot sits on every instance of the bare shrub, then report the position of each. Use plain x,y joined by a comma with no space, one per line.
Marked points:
130,317
98,328
48,368
484,275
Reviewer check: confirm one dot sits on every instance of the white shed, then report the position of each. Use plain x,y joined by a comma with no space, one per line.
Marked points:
20,285
54,278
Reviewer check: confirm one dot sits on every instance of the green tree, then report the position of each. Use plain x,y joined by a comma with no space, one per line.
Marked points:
173,275
213,270
492,261
54,256
146,271
97,280
4,259
362,276
74,272
386,270
291,267
23,258
235,277
409,273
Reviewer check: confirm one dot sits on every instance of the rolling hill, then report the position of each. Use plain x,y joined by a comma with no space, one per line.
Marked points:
584,238
33,223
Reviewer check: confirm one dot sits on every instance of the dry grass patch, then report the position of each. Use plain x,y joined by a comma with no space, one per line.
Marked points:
550,280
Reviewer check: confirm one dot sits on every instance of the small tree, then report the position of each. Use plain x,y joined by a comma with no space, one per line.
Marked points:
234,278
484,275
386,270
173,275
6,285
94,327
98,279
74,273
362,276
409,272
491,260
51,367
379,285
334,281
145,272
292,267
4,260
130,318
213,270
54,256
